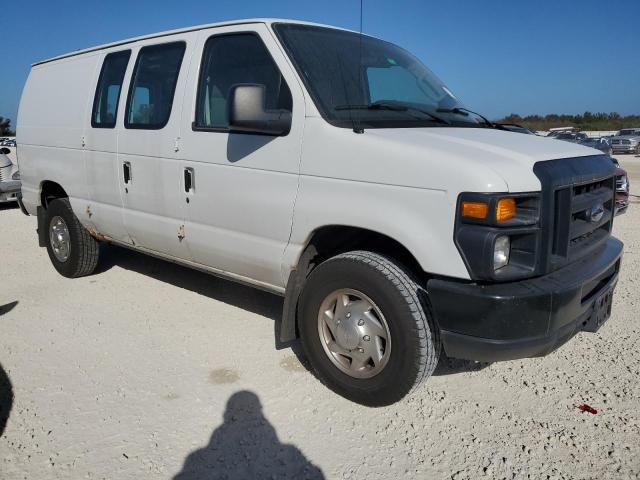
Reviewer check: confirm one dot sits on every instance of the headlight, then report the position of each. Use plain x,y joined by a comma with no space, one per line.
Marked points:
501,251
497,234
16,175
622,184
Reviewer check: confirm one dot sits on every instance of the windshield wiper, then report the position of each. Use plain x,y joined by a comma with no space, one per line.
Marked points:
465,112
392,106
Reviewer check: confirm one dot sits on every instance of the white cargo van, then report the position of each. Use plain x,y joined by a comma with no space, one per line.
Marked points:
331,168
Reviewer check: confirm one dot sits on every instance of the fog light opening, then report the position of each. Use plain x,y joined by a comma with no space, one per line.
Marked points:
501,252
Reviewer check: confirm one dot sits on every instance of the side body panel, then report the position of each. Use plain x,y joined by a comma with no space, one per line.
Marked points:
52,118
103,175
239,215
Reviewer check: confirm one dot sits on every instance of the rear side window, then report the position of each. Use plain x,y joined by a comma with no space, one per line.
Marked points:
153,86
227,61
105,102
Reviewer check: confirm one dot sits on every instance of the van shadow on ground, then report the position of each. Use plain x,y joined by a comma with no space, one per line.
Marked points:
256,301
247,298
245,447
8,206
452,366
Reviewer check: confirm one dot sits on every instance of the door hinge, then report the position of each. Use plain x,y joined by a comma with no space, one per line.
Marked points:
181,234
84,141
176,146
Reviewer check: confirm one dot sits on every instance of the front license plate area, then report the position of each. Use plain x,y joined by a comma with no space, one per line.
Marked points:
601,311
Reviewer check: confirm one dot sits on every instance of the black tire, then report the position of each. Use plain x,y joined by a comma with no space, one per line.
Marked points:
415,338
84,251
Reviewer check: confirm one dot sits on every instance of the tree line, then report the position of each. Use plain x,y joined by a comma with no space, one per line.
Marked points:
586,121
5,127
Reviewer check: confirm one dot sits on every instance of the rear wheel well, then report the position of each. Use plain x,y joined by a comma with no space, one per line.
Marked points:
50,191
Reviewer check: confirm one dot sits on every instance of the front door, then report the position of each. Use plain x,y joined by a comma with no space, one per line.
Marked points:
241,207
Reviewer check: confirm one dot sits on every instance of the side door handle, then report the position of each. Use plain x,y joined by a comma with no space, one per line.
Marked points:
126,172
189,185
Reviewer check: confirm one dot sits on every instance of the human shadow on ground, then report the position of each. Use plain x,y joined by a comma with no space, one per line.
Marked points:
6,399
245,447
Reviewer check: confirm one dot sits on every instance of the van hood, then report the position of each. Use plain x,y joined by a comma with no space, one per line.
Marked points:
509,155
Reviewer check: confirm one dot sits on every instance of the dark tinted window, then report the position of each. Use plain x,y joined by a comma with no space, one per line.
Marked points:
153,86
359,79
230,60
105,102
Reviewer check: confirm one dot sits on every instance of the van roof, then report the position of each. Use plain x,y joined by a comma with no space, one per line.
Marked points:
183,30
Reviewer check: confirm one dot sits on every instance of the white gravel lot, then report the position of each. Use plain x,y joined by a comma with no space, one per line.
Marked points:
148,370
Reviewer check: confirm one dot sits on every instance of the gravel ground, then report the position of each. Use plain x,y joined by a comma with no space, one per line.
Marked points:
147,370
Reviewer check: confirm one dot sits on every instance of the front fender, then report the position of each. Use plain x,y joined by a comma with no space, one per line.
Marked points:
422,220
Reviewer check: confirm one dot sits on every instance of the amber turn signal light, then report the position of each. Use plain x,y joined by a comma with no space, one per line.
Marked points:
506,209
475,210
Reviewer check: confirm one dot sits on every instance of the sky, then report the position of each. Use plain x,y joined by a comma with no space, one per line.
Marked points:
497,56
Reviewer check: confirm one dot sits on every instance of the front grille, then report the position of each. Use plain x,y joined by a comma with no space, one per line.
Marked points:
571,228
620,142
583,217
5,173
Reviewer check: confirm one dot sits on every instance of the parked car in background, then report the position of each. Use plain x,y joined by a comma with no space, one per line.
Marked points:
601,144
627,140
512,127
622,189
8,142
570,137
9,180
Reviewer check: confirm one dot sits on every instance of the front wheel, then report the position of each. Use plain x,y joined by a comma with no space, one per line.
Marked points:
72,251
366,328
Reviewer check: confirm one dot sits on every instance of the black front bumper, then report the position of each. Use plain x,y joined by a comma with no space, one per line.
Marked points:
529,318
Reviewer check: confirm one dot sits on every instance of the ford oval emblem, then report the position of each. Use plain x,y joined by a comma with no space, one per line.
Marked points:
596,213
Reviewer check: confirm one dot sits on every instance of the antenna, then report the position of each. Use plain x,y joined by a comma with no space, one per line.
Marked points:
357,128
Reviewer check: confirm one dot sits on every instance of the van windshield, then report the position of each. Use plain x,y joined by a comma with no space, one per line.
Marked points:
356,79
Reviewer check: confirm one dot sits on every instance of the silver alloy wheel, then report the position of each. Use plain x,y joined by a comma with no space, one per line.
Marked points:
60,239
354,333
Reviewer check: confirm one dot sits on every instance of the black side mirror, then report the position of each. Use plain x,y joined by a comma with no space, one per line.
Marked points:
247,112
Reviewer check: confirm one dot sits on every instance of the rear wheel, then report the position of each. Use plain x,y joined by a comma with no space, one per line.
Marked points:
72,251
366,328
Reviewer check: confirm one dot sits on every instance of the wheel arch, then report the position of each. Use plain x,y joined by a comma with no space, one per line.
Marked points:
328,241
50,190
